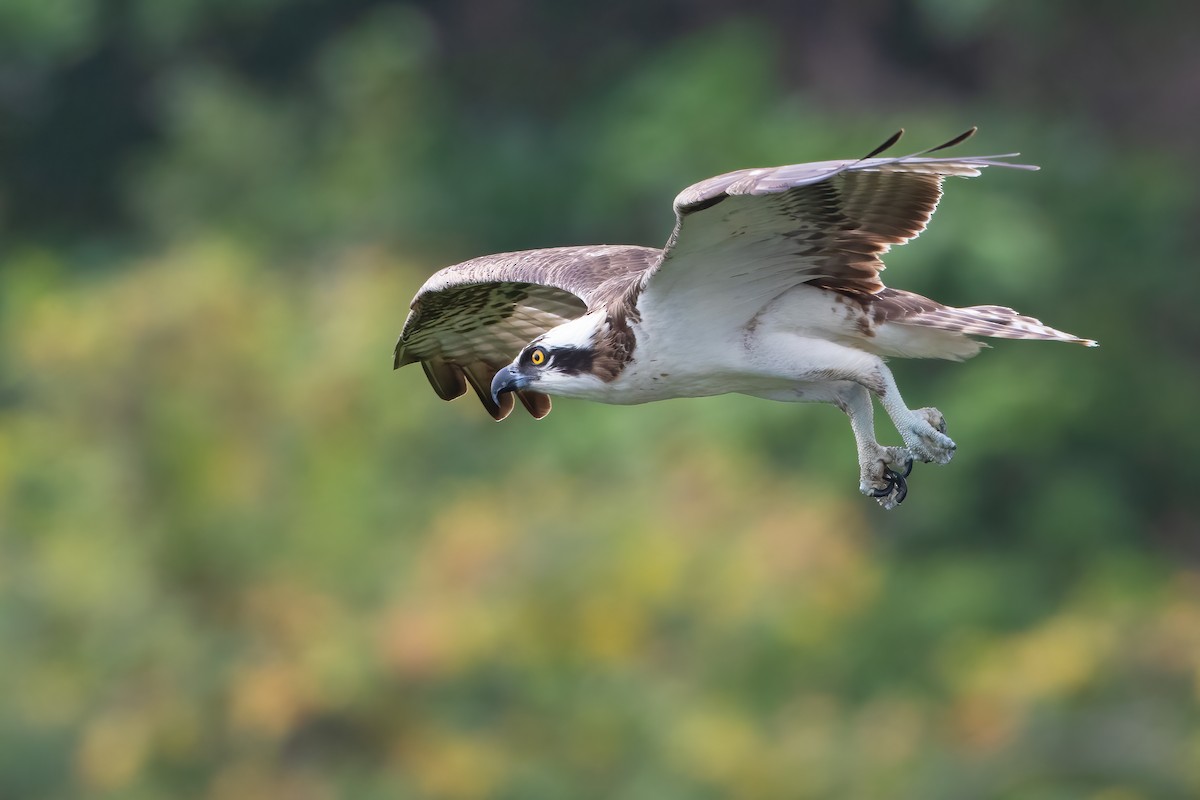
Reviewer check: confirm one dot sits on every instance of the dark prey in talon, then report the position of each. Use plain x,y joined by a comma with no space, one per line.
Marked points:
768,286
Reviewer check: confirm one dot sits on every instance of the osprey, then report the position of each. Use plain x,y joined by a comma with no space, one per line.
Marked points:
768,286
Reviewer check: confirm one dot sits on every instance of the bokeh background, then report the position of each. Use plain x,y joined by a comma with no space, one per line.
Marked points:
242,558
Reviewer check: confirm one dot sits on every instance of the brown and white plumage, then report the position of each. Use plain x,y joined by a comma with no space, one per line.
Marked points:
769,285
471,319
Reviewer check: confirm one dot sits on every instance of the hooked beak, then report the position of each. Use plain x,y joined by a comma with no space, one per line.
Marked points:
507,380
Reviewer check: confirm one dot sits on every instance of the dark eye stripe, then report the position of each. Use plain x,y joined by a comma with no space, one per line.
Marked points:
572,360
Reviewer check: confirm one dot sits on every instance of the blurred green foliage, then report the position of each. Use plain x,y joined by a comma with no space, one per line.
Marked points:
240,557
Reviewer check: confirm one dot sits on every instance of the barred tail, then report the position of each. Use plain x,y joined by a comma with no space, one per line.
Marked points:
995,321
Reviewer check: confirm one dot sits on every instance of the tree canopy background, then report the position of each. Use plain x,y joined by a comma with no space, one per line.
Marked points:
240,557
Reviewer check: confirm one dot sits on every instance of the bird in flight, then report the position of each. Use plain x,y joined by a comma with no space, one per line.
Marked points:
768,286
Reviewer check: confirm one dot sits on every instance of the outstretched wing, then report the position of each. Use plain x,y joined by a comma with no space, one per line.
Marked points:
747,236
471,319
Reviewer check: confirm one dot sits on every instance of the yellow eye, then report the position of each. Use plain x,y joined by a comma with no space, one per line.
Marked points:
537,357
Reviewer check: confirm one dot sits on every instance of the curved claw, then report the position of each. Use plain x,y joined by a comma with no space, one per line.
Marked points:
895,483
908,465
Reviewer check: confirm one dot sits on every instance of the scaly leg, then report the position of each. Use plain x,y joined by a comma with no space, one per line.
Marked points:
877,478
824,371
923,430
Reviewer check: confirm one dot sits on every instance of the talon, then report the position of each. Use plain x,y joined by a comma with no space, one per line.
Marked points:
908,465
895,484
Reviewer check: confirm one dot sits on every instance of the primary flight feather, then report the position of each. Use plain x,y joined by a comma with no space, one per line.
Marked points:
768,286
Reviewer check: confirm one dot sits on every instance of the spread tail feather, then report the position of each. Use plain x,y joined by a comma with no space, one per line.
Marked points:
911,326
994,321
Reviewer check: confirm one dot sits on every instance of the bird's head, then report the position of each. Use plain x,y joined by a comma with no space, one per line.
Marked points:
562,362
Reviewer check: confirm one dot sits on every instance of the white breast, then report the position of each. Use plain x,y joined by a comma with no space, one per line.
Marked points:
709,354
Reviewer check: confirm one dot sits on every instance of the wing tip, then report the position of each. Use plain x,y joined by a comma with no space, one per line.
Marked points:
887,145
957,140
500,412
450,382
399,358
479,375
536,403
446,379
